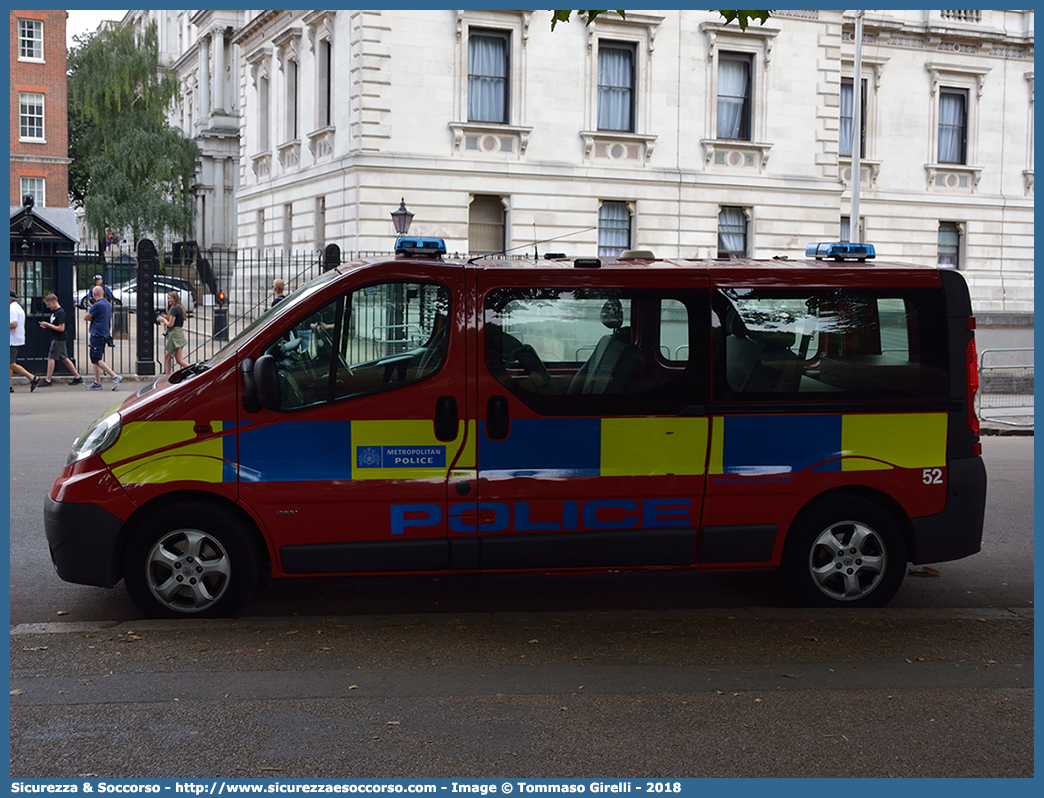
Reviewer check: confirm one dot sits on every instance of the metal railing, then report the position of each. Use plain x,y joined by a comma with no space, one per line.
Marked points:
1006,386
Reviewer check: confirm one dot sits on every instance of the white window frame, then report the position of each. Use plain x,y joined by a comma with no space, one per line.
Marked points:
638,31
321,42
630,226
497,139
260,62
37,26
748,243
971,79
505,207
23,99
870,165
39,191
756,42
961,245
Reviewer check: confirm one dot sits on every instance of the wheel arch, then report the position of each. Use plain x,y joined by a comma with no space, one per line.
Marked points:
878,497
169,500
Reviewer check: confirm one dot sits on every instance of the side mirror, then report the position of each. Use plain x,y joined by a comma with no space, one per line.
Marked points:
250,403
266,378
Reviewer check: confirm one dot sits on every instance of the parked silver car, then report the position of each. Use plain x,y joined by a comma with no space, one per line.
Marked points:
161,286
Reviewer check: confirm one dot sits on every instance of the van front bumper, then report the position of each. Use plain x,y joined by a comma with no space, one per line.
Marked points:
956,532
82,539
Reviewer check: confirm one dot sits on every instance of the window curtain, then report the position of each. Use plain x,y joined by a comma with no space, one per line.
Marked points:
949,245
844,138
486,223
951,128
615,73
732,232
487,78
614,228
732,97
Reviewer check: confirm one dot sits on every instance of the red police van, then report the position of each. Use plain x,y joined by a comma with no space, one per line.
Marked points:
423,415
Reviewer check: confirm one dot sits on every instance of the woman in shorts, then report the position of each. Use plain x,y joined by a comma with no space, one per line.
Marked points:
174,319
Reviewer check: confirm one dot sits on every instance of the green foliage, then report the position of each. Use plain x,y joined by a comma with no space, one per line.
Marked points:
131,171
589,16
743,17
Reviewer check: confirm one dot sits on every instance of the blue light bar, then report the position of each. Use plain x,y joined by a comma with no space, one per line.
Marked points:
840,251
413,247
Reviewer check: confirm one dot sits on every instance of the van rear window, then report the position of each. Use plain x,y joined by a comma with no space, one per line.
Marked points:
828,344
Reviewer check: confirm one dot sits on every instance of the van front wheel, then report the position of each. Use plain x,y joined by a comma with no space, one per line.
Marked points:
846,552
190,561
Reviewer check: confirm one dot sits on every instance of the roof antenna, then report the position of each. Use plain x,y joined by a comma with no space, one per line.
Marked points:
536,253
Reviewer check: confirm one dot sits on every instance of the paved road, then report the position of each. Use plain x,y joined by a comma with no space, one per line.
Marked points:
625,675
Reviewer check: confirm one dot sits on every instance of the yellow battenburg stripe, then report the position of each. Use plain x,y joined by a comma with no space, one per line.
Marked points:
468,458
192,460
140,437
410,433
653,446
902,440
195,462
716,459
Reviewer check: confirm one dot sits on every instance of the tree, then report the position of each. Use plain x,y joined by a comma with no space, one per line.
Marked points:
743,17
130,171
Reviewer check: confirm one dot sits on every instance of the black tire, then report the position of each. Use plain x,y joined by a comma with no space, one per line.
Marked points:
845,552
193,560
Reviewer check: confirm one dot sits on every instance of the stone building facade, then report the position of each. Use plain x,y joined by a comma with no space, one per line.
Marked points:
667,130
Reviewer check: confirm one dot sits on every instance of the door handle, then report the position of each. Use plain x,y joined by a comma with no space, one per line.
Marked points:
446,418
498,422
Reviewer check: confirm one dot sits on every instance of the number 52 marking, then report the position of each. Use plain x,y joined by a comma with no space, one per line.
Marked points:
932,476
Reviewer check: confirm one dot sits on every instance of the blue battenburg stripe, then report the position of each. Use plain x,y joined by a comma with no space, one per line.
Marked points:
781,444
543,448
296,452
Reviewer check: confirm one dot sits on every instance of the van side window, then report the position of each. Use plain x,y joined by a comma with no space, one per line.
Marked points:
829,344
373,339
580,351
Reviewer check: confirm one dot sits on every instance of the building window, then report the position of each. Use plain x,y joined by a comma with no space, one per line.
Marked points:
488,71
949,245
31,116
953,125
845,136
732,233
291,100
262,114
846,230
616,86
734,93
325,87
30,40
288,229
34,186
486,225
614,228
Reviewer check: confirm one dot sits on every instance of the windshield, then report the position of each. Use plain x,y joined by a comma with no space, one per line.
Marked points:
286,306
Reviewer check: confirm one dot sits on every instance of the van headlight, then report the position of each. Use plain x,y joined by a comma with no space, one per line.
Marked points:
96,438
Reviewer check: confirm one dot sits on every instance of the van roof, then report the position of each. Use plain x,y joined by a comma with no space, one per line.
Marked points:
735,271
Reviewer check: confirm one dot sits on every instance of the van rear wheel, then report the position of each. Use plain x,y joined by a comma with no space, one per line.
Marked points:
194,560
845,552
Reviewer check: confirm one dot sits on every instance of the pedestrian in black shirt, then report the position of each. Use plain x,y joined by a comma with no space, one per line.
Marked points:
57,351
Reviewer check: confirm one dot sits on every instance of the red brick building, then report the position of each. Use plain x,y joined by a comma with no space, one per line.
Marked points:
39,113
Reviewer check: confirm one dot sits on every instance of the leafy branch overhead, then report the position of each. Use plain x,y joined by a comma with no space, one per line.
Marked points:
131,170
742,17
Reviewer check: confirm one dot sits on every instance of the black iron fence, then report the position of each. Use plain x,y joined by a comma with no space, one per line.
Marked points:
229,290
